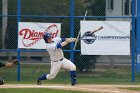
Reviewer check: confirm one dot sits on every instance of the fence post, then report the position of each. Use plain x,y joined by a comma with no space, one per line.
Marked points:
18,67
138,38
71,29
133,41
18,50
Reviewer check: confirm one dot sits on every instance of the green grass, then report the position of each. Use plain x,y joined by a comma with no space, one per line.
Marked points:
132,88
38,90
137,88
30,72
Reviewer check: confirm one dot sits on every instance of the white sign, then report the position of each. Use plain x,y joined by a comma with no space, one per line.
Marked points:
30,34
138,58
105,37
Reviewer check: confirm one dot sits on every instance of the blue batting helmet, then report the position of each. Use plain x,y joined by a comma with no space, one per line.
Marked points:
46,36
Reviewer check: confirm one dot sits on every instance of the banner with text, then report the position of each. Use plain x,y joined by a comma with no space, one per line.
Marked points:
105,37
30,34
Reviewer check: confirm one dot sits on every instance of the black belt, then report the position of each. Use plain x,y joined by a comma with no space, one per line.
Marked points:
58,60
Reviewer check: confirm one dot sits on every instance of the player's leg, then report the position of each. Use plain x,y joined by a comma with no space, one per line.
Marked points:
67,64
55,67
54,70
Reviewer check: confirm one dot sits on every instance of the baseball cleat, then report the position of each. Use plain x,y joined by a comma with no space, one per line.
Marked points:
74,83
39,82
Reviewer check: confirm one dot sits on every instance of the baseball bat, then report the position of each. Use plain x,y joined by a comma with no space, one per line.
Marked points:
77,38
97,29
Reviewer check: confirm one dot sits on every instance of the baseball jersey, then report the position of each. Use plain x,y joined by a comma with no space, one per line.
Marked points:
54,49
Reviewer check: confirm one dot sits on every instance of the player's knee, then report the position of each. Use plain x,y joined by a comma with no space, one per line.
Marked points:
73,68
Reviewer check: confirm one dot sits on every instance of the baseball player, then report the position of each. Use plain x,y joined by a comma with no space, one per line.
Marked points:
7,64
54,48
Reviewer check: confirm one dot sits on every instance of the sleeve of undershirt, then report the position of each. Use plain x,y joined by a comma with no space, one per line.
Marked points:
63,39
58,42
58,45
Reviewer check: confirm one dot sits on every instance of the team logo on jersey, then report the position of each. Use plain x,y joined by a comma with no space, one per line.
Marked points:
88,37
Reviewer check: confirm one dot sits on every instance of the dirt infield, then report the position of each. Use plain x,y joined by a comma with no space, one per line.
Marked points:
90,88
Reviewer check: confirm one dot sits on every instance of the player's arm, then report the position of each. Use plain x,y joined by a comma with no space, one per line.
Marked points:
65,41
68,40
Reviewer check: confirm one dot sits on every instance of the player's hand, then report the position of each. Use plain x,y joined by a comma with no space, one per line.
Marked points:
72,39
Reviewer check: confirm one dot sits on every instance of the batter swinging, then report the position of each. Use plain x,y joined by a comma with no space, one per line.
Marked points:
54,48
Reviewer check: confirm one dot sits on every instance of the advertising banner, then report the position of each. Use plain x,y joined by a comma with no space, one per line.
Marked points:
105,37
30,34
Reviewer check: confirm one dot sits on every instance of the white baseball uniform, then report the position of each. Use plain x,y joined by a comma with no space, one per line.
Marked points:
57,58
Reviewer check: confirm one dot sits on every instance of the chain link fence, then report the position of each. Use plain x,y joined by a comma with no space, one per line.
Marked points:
90,69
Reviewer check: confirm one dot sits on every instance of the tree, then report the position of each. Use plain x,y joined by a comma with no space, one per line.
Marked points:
98,7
